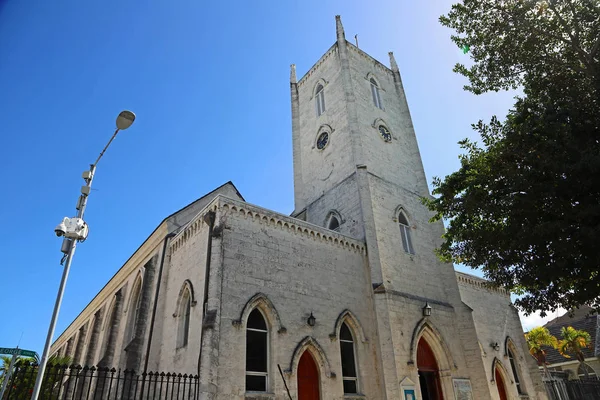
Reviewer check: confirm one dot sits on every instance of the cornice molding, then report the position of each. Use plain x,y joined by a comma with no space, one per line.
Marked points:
269,218
479,283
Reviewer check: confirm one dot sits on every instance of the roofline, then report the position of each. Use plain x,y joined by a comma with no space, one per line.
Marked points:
142,245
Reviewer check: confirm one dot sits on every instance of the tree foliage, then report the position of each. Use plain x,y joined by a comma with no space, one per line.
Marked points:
537,339
573,341
524,204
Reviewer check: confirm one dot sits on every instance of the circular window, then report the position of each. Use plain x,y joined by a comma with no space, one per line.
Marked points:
385,133
323,140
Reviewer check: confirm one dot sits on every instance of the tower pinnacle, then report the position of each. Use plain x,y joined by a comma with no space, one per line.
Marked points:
339,29
393,64
293,73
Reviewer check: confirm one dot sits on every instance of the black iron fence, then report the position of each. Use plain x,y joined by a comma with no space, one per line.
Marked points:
74,382
558,387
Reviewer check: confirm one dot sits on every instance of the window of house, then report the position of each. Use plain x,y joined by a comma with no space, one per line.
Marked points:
583,368
375,93
257,352
349,376
183,329
320,99
513,366
405,233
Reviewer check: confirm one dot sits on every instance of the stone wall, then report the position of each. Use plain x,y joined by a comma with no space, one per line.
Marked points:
101,334
497,322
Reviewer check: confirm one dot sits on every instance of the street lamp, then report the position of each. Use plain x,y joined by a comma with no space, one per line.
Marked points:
74,230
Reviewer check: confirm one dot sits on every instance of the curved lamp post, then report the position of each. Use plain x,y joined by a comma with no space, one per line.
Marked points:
74,230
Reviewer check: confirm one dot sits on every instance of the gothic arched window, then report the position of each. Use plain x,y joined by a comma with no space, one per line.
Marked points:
375,93
257,352
108,323
591,374
349,376
333,224
183,326
405,233
513,366
134,309
320,99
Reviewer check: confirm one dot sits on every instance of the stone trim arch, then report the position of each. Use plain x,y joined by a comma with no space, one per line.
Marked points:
348,317
261,301
109,311
496,363
401,209
380,121
138,278
333,213
371,75
320,81
508,342
187,285
517,371
325,127
310,344
437,343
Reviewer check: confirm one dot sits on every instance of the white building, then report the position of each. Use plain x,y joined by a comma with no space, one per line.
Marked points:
337,295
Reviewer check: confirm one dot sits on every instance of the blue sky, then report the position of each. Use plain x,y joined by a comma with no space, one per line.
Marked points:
209,82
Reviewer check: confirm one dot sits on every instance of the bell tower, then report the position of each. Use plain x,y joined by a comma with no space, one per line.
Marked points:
358,170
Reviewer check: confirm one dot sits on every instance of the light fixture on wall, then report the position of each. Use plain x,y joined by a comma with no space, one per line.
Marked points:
311,320
427,310
495,346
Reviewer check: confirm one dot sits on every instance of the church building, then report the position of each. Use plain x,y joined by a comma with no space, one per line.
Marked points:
342,299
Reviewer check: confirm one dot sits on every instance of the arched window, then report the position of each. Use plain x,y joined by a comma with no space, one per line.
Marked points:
257,352
333,224
134,309
591,374
513,366
405,233
349,375
108,323
320,99
183,329
375,93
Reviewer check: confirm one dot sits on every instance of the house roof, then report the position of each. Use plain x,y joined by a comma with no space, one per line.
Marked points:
585,323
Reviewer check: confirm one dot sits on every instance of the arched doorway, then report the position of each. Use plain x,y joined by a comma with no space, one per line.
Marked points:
429,373
500,384
308,378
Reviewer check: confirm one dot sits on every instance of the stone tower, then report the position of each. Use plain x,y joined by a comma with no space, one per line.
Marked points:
358,170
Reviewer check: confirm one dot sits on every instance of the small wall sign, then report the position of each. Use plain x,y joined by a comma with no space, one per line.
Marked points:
462,389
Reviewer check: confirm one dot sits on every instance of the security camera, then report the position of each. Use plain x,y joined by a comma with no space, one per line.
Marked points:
61,228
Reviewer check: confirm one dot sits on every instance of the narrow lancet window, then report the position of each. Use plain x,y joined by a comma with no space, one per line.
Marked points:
375,93
513,366
183,330
349,376
405,233
257,352
320,100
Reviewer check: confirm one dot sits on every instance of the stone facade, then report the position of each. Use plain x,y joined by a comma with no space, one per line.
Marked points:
213,263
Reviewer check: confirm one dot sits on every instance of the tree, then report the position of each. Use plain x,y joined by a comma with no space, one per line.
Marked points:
574,341
523,206
537,339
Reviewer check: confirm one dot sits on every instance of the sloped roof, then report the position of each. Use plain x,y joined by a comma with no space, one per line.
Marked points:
587,323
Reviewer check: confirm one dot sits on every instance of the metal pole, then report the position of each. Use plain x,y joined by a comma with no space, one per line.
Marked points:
9,372
73,243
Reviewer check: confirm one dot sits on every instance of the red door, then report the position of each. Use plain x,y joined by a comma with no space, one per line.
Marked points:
500,384
308,378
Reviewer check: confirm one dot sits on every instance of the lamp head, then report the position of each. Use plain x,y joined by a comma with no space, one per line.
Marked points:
125,119
311,320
